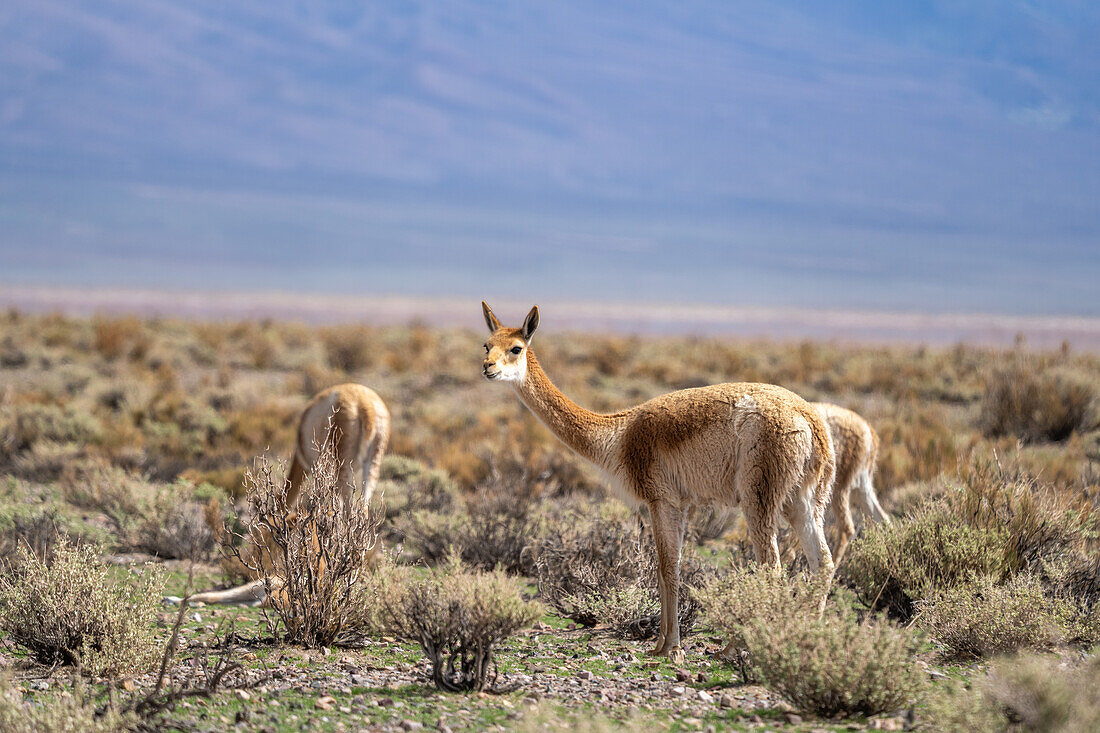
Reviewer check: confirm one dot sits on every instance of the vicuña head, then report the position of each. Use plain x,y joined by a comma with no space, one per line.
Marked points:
506,349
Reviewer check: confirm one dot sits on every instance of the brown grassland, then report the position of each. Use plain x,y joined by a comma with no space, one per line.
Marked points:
502,587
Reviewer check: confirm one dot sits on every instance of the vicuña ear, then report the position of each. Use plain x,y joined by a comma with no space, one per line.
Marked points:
530,323
490,320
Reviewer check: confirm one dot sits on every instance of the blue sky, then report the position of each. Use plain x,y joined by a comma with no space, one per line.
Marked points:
919,156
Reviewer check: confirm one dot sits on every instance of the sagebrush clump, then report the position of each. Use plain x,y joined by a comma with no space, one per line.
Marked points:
66,609
1034,403
827,663
458,618
983,619
1047,694
891,567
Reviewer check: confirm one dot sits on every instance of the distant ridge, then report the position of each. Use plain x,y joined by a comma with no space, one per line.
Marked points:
780,324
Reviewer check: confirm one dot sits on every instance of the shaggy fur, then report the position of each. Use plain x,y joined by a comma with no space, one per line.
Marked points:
757,446
357,419
856,446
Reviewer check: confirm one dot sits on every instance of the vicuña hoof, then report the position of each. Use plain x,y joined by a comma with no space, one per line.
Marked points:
676,654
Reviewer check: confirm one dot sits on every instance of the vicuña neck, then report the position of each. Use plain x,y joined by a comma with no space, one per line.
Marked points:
586,432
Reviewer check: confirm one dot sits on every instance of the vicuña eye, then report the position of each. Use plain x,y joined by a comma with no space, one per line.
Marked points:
486,348
517,349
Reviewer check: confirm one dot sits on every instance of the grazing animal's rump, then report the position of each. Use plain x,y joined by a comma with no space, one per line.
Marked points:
356,422
856,447
757,446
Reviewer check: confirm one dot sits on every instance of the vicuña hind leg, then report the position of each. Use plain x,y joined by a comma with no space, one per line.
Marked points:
842,511
864,495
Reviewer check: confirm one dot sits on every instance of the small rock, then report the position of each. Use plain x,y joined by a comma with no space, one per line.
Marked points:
678,691
794,718
726,700
243,695
385,702
705,696
128,684
411,725
325,703
682,675
585,674
693,722
756,719
197,618
655,677
700,677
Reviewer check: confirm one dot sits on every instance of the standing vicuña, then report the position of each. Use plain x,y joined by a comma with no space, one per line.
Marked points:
755,445
356,422
856,446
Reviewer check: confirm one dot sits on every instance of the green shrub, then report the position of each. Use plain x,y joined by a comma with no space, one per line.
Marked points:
1029,402
458,618
827,665
58,714
953,706
983,619
67,609
891,567
1040,693
156,518
745,594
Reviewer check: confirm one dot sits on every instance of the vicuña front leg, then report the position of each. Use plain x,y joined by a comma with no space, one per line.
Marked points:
667,536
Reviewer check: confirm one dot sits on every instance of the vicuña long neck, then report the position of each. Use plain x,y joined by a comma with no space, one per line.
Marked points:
588,433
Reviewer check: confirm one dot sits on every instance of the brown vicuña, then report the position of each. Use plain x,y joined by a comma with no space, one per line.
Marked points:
856,445
354,420
755,445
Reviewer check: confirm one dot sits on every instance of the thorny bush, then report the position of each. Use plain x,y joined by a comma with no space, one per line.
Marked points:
311,556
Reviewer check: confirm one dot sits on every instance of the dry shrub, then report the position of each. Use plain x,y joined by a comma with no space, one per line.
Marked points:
117,337
458,617
494,526
827,664
984,619
1044,694
1034,403
1043,522
156,518
915,444
599,567
24,426
39,532
891,567
350,348
66,609
312,558
66,713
